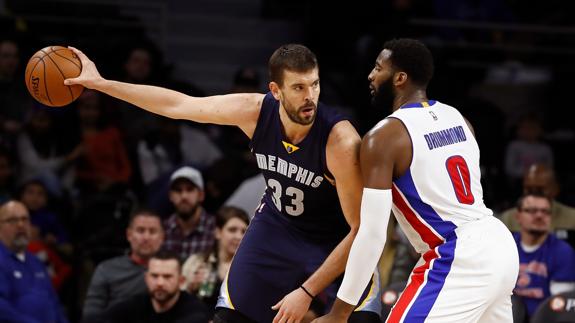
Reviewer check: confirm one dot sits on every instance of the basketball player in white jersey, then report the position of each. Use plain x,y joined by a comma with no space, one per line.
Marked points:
422,161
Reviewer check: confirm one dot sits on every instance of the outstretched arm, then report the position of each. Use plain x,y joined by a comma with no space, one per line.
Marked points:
240,110
343,162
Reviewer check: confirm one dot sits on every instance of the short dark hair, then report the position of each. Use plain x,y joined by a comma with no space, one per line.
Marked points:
143,212
226,213
164,254
292,57
412,57
534,194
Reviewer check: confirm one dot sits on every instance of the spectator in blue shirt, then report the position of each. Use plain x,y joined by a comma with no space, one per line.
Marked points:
26,293
546,263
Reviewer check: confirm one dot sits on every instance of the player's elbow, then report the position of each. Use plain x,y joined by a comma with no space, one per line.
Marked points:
353,229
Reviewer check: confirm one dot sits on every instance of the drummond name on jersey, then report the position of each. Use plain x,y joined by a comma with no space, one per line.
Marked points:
445,137
292,171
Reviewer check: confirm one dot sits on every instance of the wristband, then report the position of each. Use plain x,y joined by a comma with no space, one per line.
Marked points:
307,292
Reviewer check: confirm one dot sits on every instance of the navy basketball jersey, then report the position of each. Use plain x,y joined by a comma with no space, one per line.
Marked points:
300,188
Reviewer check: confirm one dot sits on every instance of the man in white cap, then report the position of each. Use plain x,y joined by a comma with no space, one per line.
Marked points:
190,229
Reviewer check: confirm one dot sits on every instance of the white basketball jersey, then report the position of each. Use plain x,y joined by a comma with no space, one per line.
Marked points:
441,189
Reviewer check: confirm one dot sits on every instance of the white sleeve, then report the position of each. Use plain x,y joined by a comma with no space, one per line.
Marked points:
367,245
561,287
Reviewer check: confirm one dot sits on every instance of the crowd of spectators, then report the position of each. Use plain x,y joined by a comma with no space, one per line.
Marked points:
93,191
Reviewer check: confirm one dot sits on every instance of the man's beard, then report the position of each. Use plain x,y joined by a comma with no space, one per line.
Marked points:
163,296
188,214
383,97
294,115
537,232
20,243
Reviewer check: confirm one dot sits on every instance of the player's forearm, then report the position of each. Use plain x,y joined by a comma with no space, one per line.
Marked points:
341,309
155,99
368,244
362,262
332,267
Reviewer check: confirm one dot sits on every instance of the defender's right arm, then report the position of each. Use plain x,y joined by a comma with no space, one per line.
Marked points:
240,110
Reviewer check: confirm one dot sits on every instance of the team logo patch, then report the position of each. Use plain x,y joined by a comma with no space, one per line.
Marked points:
389,297
289,147
557,304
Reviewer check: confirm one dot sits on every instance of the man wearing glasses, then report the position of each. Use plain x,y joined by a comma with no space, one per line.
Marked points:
547,264
26,293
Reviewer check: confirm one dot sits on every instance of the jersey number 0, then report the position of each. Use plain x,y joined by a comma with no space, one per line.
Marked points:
459,175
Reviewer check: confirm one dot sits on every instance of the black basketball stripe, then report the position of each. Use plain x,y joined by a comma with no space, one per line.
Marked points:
42,50
46,84
63,77
66,58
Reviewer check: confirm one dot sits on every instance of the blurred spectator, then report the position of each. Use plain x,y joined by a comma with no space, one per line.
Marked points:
105,162
174,143
541,179
6,176
26,294
40,152
248,195
141,65
547,263
164,301
246,80
36,197
204,273
527,149
190,229
119,278
398,258
405,257
58,270
470,10
14,98
102,179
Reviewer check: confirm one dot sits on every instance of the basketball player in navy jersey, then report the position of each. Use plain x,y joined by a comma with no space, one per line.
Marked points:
422,161
299,239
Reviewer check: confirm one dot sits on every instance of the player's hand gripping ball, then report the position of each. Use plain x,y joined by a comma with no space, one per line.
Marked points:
46,72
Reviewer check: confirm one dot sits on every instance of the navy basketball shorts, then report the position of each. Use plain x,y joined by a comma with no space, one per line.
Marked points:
273,259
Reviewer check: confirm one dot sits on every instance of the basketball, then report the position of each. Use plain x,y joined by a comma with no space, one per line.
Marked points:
46,72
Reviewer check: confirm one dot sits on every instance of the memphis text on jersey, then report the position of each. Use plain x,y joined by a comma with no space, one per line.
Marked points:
445,137
289,170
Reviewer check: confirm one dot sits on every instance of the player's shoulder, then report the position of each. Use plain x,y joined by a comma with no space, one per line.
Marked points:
343,135
386,139
246,100
256,100
387,129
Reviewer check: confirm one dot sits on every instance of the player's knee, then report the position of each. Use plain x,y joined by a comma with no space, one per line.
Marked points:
226,315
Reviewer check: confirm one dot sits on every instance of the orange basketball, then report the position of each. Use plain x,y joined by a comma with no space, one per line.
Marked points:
46,72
